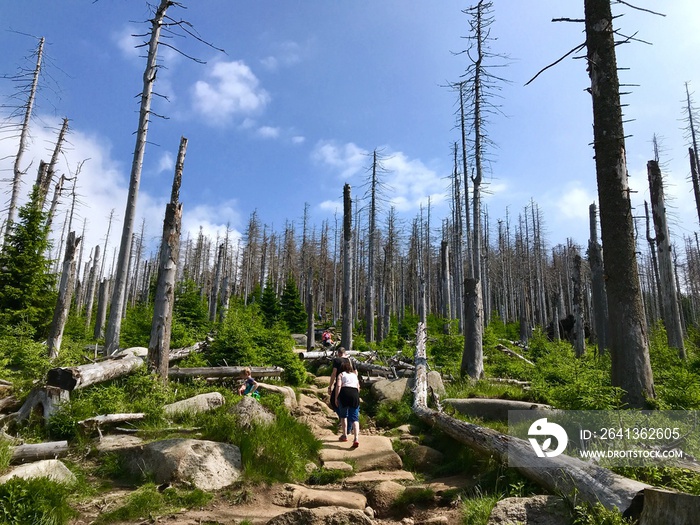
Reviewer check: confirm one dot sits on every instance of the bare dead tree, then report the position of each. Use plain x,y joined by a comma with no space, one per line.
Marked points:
18,172
629,347
149,78
667,276
159,345
65,294
347,298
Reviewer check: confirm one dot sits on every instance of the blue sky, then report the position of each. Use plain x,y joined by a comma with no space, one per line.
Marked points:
306,90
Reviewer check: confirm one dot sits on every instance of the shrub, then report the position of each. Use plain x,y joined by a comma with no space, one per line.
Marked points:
38,501
244,340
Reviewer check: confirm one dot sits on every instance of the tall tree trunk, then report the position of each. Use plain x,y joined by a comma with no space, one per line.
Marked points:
102,301
667,274
23,138
347,302
120,281
65,294
214,298
159,345
92,282
370,290
310,340
631,369
473,356
578,333
600,303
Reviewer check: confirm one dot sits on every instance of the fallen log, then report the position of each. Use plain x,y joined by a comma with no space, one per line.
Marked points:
236,372
75,377
110,419
9,403
122,363
38,451
330,354
511,353
507,381
565,475
669,508
491,409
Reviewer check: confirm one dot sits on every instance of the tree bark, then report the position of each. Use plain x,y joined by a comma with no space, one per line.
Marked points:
65,294
120,281
667,274
37,451
631,369
347,299
102,299
91,284
600,303
23,138
161,327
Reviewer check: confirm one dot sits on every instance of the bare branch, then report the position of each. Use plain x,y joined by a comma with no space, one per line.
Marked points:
574,50
639,8
579,20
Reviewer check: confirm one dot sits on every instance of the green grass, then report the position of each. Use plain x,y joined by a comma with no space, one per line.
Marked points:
476,511
148,501
36,501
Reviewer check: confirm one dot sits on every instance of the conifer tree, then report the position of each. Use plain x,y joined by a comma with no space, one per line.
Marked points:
269,304
26,285
293,312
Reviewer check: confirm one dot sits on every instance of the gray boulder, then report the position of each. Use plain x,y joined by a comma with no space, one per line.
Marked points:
196,404
249,411
394,389
208,465
535,510
53,469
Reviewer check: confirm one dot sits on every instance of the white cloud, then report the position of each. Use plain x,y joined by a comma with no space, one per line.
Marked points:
298,139
212,219
127,42
231,90
348,159
286,54
166,163
333,206
268,132
409,182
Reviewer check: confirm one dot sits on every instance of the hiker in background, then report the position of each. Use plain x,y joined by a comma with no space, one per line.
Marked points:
327,338
249,386
348,401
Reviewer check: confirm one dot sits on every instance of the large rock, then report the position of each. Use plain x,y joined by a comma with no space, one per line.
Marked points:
383,495
300,339
196,404
374,453
208,465
298,496
536,510
425,459
394,389
250,412
53,469
491,409
322,516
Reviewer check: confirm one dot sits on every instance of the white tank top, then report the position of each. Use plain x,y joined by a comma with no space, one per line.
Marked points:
349,379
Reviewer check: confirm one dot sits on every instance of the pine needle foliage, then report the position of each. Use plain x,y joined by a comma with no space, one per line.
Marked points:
293,313
26,283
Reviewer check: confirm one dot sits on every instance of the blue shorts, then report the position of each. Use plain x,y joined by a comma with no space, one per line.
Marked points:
349,413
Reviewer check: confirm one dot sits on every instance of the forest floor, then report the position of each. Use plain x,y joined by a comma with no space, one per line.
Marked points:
258,503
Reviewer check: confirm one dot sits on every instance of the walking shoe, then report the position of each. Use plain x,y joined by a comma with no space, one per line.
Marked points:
355,444
343,438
